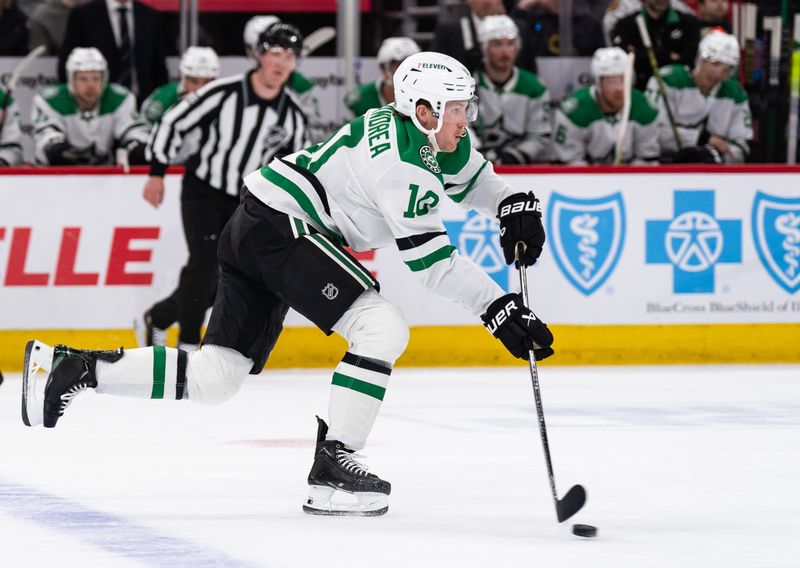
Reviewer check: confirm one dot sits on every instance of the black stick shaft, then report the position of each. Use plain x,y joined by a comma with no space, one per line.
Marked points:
537,393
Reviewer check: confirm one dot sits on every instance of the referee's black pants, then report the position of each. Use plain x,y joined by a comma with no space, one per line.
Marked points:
204,211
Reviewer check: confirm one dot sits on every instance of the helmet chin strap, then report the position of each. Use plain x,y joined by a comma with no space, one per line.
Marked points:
430,134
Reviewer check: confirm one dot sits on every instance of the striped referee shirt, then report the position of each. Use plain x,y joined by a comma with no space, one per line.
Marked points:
239,132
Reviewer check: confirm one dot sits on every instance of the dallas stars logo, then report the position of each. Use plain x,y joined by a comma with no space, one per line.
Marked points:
427,157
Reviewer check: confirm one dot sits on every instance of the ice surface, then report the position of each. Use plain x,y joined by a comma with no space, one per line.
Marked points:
684,467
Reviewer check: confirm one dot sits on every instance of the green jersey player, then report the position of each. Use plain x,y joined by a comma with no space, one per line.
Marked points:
198,66
82,121
378,182
10,131
514,120
391,54
587,125
710,107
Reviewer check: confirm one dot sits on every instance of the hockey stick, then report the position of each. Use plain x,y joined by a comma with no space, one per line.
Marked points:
651,55
627,84
14,79
576,496
317,39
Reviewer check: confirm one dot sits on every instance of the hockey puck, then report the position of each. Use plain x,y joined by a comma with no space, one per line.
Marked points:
586,531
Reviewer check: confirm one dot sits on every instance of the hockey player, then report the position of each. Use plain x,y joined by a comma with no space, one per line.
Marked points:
83,121
377,182
586,126
709,106
514,120
305,90
244,120
10,131
391,54
199,65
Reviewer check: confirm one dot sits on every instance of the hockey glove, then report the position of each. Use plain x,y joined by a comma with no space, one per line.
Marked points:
698,155
521,221
136,153
518,328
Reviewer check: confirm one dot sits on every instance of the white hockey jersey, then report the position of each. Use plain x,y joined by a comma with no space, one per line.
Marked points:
377,183
583,134
113,123
11,138
724,112
514,118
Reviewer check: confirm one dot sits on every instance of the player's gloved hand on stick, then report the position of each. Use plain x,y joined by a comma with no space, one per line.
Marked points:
521,221
707,154
518,328
64,154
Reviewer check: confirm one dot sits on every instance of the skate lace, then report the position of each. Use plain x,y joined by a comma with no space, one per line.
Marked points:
159,336
72,392
348,462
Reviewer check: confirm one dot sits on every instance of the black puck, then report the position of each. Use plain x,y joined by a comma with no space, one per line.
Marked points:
586,531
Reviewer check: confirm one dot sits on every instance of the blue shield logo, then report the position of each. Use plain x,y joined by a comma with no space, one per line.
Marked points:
587,236
477,239
776,234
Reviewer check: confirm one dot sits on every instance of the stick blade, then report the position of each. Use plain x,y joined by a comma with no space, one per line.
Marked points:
572,502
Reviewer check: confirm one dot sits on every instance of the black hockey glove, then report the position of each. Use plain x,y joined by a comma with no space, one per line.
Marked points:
521,221
64,154
518,328
698,155
136,154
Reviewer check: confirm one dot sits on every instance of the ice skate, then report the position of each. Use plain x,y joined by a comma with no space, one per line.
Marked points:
53,376
339,485
147,334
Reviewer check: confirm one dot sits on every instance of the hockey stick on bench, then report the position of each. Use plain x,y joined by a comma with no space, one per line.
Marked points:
576,496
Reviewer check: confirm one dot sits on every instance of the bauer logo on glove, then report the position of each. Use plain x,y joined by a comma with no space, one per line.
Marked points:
520,218
518,328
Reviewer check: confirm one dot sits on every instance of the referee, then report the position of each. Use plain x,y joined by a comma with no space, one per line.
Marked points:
244,121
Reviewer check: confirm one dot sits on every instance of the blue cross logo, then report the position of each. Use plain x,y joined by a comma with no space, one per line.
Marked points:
693,242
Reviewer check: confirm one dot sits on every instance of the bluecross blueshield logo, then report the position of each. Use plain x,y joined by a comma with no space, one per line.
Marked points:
477,239
587,236
776,233
694,241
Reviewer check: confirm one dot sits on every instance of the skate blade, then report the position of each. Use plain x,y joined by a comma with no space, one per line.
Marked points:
38,363
333,502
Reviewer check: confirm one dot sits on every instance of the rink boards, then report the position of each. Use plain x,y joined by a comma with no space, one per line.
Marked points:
649,265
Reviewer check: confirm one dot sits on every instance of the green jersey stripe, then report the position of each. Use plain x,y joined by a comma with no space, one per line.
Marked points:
429,260
159,370
363,387
459,197
351,135
294,190
343,259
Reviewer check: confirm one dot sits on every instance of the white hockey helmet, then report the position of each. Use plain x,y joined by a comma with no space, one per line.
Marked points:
719,46
497,27
609,61
85,59
200,62
253,29
396,49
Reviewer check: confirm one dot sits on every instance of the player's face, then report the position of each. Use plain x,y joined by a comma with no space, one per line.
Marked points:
712,73
191,84
455,118
714,10
501,53
612,89
276,64
88,86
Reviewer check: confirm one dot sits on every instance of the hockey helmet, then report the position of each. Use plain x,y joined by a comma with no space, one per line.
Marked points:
719,46
253,29
85,59
200,62
437,79
283,35
609,61
396,49
497,27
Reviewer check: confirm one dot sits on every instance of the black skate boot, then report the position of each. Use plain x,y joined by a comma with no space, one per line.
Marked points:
340,485
68,371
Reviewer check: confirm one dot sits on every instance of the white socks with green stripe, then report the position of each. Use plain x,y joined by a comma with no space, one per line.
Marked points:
208,376
377,335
